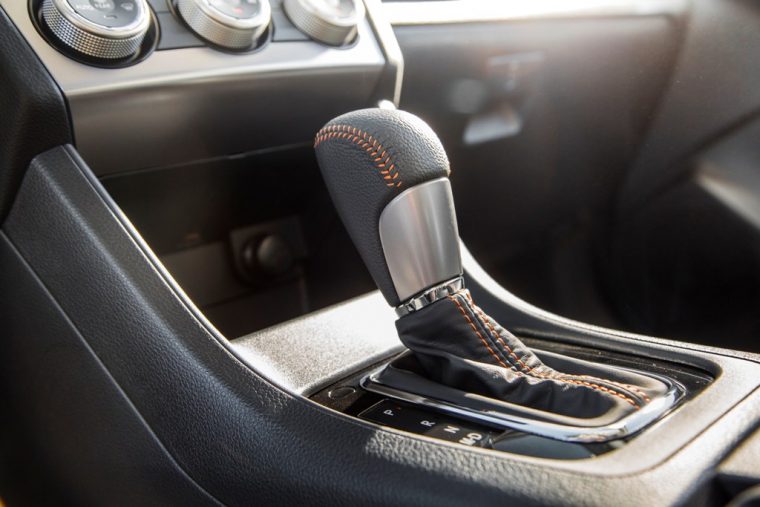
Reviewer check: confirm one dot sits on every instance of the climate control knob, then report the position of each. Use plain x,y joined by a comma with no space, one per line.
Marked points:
233,24
101,29
333,22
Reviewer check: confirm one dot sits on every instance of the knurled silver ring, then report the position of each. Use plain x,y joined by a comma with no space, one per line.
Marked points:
90,38
430,296
322,26
223,30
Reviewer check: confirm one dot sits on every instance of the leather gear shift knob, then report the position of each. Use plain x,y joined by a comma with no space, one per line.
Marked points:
387,174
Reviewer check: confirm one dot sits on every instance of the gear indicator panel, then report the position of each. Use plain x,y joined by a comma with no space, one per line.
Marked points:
407,418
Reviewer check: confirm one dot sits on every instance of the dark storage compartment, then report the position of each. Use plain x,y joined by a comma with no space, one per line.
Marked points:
252,239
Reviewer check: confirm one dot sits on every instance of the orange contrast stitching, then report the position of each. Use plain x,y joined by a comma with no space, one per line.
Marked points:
623,386
475,329
561,377
529,370
512,354
379,155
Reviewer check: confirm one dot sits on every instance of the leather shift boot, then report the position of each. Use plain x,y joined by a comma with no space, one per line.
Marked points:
458,345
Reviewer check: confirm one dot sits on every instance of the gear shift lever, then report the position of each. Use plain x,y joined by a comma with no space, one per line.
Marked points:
387,174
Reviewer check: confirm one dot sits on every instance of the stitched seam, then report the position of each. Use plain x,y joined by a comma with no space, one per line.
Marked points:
482,340
538,375
379,155
523,365
535,374
518,365
629,387
562,378
559,377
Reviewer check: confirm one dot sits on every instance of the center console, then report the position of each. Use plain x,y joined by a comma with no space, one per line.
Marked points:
201,310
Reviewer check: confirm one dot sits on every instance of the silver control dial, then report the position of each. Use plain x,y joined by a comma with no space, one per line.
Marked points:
103,29
333,22
234,24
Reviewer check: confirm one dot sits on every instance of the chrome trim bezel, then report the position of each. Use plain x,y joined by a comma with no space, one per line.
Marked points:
623,428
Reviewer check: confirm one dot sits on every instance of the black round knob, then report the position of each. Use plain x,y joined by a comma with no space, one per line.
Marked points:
267,256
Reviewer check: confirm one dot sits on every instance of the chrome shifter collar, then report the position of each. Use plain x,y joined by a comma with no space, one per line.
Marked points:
430,296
